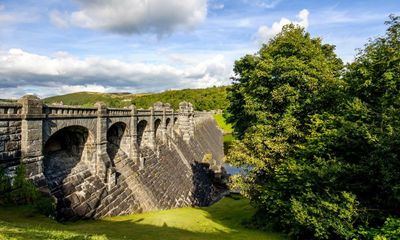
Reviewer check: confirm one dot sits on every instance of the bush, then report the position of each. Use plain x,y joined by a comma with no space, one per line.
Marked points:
389,230
21,191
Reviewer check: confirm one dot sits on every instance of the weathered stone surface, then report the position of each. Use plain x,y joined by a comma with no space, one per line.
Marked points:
10,145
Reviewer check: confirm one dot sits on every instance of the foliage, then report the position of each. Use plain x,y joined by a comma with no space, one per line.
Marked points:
223,220
374,82
23,191
389,230
320,143
5,187
228,140
18,190
207,158
202,99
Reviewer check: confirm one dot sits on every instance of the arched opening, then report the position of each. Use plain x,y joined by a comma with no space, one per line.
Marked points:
64,149
168,125
176,124
68,152
157,132
116,140
142,128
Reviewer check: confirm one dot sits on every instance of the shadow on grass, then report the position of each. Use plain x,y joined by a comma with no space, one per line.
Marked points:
240,212
22,223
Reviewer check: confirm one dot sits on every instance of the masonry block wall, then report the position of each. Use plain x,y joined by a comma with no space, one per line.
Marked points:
10,136
103,162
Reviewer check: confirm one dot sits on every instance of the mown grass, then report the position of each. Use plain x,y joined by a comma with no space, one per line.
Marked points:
223,220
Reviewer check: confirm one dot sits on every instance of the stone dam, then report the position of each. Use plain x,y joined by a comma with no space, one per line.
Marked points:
102,161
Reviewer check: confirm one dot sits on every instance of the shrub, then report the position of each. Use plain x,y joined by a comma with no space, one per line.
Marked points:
21,191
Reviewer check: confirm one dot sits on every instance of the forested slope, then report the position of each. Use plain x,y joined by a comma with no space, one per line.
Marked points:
202,99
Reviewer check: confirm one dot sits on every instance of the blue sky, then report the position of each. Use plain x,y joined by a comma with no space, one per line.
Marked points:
53,47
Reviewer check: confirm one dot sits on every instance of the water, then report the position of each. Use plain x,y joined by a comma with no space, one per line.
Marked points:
232,170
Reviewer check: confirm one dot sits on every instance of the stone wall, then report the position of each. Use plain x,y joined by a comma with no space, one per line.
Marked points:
10,135
173,175
10,142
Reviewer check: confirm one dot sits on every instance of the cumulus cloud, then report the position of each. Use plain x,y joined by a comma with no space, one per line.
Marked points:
265,33
136,16
23,72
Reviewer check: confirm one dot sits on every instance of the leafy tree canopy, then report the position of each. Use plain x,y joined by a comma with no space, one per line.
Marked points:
320,142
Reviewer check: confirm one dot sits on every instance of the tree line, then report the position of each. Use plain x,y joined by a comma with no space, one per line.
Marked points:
212,98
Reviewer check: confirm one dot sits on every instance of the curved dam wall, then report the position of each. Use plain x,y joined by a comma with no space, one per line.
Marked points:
170,161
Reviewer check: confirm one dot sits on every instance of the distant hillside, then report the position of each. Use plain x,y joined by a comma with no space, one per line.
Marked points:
202,99
7,101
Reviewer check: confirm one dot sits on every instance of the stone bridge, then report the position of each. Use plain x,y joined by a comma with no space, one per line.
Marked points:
100,161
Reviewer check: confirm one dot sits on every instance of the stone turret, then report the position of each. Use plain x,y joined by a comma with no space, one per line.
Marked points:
158,106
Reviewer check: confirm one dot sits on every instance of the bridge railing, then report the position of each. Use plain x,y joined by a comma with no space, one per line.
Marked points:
143,112
119,112
15,110
158,112
10,110
54,111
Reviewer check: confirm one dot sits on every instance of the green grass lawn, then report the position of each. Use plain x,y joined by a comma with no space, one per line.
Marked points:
223,220
219,118
227,128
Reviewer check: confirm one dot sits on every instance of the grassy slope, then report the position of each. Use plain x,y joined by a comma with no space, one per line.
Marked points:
227,128
219,118
220,221
202,99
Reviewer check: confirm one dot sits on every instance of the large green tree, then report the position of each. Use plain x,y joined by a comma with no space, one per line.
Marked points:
320,144
273,99
374,82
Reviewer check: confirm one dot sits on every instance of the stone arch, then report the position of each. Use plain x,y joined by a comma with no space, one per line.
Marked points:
72,142
157,129
51,126
68,152
168,125
176,125
142,133
117,140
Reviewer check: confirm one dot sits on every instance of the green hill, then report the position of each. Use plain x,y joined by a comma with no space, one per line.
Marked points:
202,99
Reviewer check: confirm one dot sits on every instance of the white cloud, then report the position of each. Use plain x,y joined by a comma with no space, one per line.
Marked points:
265,33
22,72
137,16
